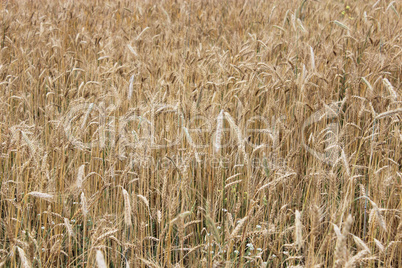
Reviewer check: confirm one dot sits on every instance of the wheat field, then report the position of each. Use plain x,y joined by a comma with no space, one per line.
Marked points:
201,133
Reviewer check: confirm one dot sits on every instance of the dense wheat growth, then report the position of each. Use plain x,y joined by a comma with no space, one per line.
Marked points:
201,133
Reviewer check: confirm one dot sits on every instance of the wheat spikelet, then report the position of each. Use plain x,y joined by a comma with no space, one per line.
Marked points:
232,183
189,139
230,219
348,224
345,162
105,235
193,145
28,141
100,259
146,203
219,131
132,50
316,218
391,246
143,199
371,217
240,141
276,181
151,238
55,249
24,261
341,25
84,204
127,207
370,87
80,176
340,248
399,231
212,227
41,195
183,170
379,218
130,88
142,32
360,243
375,215
238,227
301,26
298,231
261,145
385,114
341,252
191,222
149,263
233,176
181,216
165,190
351,262
90,107
68,227
379,245
390,88
238,206
312,60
